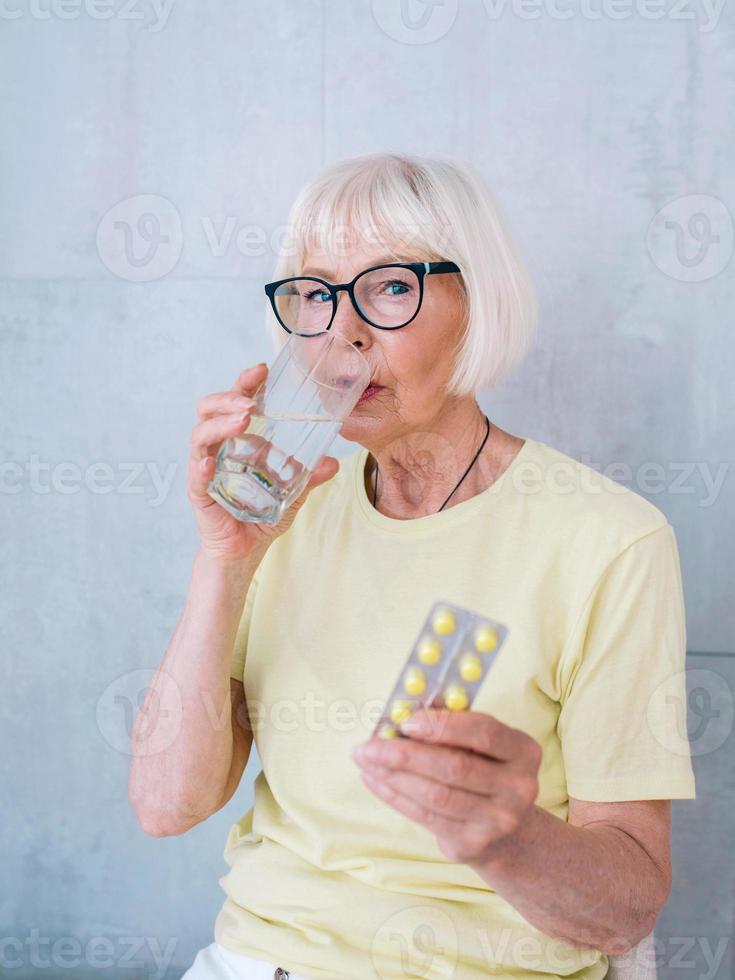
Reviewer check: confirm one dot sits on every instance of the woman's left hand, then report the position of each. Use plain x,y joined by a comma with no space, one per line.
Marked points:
467,777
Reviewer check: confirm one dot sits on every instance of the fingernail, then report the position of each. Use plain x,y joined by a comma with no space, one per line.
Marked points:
375,771
414,726
366,750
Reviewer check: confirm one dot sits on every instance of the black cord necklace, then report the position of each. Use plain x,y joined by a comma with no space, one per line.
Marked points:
487,433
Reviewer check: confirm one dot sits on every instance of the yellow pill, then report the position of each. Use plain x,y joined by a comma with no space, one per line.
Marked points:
444,622
486,639
387,731
400,711
470,667
455,697
414,681
429,651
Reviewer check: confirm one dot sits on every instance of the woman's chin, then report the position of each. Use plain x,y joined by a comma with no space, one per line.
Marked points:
359,417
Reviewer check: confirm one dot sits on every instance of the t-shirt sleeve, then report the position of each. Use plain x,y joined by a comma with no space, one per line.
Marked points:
240,647
622,722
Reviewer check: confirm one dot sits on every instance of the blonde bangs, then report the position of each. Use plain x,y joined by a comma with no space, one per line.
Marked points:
376,205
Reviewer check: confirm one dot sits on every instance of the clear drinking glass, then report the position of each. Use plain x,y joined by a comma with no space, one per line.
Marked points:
311,387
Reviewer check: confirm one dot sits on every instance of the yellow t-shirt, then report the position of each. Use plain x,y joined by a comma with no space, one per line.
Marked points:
328,880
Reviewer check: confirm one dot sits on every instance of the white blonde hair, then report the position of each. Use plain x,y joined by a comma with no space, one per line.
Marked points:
428,209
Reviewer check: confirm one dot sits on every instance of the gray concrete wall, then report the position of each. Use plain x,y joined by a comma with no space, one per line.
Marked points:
587,121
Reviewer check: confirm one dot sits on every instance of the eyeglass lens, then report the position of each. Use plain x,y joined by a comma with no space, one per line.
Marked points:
388,297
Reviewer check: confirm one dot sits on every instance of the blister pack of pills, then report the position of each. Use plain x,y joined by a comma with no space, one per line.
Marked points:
450,658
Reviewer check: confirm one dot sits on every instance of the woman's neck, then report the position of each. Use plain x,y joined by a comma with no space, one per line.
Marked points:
416,474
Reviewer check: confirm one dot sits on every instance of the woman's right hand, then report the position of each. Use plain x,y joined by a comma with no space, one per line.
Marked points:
222,415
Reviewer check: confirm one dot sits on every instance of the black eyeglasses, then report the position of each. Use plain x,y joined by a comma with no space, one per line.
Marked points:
385,296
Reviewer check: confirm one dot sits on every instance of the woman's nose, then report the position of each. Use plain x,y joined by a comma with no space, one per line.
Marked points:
349,325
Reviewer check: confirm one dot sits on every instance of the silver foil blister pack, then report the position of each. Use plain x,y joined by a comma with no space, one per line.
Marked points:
451,656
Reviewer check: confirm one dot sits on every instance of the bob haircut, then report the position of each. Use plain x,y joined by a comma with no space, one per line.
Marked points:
423,209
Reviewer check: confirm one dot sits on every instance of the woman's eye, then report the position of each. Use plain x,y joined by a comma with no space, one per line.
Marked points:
400,290
325,297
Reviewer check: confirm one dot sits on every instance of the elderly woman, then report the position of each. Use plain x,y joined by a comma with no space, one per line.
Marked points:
526,837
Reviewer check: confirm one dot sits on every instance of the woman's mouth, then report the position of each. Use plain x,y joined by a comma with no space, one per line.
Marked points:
369,392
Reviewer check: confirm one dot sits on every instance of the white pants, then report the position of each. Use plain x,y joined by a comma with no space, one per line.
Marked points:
216,962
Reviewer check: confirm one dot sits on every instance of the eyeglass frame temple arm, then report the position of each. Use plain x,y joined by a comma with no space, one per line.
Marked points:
439,267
